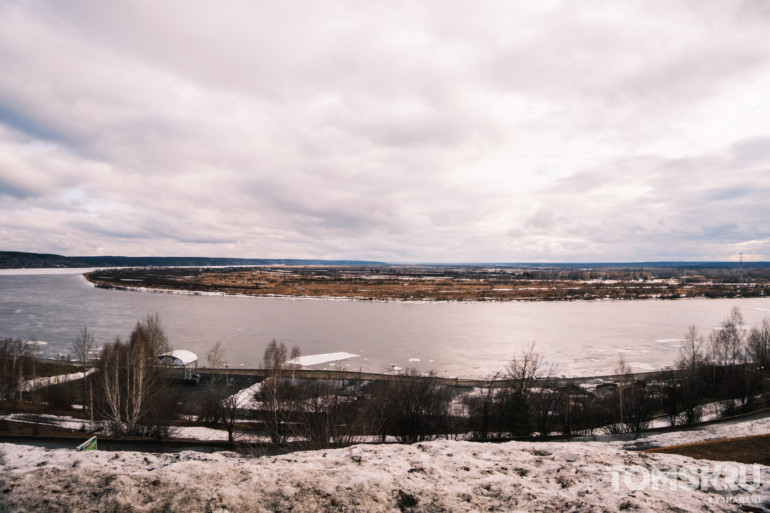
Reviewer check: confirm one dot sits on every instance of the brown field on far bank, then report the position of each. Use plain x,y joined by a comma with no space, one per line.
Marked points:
440,283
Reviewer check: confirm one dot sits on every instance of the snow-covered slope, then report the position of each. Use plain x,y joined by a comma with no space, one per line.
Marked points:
433,476
756,425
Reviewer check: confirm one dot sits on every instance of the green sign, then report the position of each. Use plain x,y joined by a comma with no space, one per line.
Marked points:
88,445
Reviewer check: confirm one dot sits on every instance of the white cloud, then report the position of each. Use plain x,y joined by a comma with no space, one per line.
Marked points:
431,132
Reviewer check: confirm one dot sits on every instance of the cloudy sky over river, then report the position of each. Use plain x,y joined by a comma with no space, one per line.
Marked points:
399,131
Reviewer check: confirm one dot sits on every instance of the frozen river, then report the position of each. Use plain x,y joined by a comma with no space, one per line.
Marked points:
455,339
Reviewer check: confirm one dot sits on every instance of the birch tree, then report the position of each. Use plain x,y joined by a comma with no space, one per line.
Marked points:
727,343
150,332
691,364
277,397
759,343
14,361
221,398
82,347
134,399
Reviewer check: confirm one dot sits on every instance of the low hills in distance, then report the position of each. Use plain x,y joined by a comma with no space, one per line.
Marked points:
20,260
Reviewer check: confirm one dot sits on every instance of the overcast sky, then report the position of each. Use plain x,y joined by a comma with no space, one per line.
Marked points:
430,131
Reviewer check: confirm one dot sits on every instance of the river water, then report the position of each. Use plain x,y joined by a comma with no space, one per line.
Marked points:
462,339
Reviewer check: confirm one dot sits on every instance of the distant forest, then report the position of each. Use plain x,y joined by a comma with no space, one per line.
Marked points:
19,260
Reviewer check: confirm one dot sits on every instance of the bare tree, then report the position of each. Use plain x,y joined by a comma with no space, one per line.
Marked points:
150,332
525,371
691,364
543,405
419,407
733,380
83,345
134,399
727,343
215,356
324,415
623,373
759,343
481,407
639,406
219,403
126,380
378,404
745,385
277,355
635,400
15,361
530,381
612,402
209,411
669,386
278,396
576,409
759,354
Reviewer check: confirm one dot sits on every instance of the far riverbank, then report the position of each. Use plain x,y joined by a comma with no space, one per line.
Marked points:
442,283
465,339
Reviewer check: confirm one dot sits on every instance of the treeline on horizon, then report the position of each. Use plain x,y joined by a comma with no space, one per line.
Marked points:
20,260
128,393
25,260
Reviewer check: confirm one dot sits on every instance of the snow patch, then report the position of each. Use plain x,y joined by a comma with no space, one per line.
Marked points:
245,398
641,366
430,476
37,383
317,359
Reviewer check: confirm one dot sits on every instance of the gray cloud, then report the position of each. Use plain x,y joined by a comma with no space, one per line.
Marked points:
428,132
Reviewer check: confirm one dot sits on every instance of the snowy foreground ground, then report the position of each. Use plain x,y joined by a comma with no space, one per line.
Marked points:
435,476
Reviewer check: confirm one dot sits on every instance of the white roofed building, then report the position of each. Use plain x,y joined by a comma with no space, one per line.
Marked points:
186,360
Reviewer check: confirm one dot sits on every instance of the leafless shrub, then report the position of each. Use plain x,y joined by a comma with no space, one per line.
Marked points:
419,407
575,410
483,408
326,415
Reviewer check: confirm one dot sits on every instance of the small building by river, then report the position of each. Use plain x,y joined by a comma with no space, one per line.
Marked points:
185,361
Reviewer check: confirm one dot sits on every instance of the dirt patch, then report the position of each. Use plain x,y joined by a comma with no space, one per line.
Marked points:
749,449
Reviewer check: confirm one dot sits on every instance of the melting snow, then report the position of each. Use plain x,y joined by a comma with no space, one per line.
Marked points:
316,359
432,476
34,384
